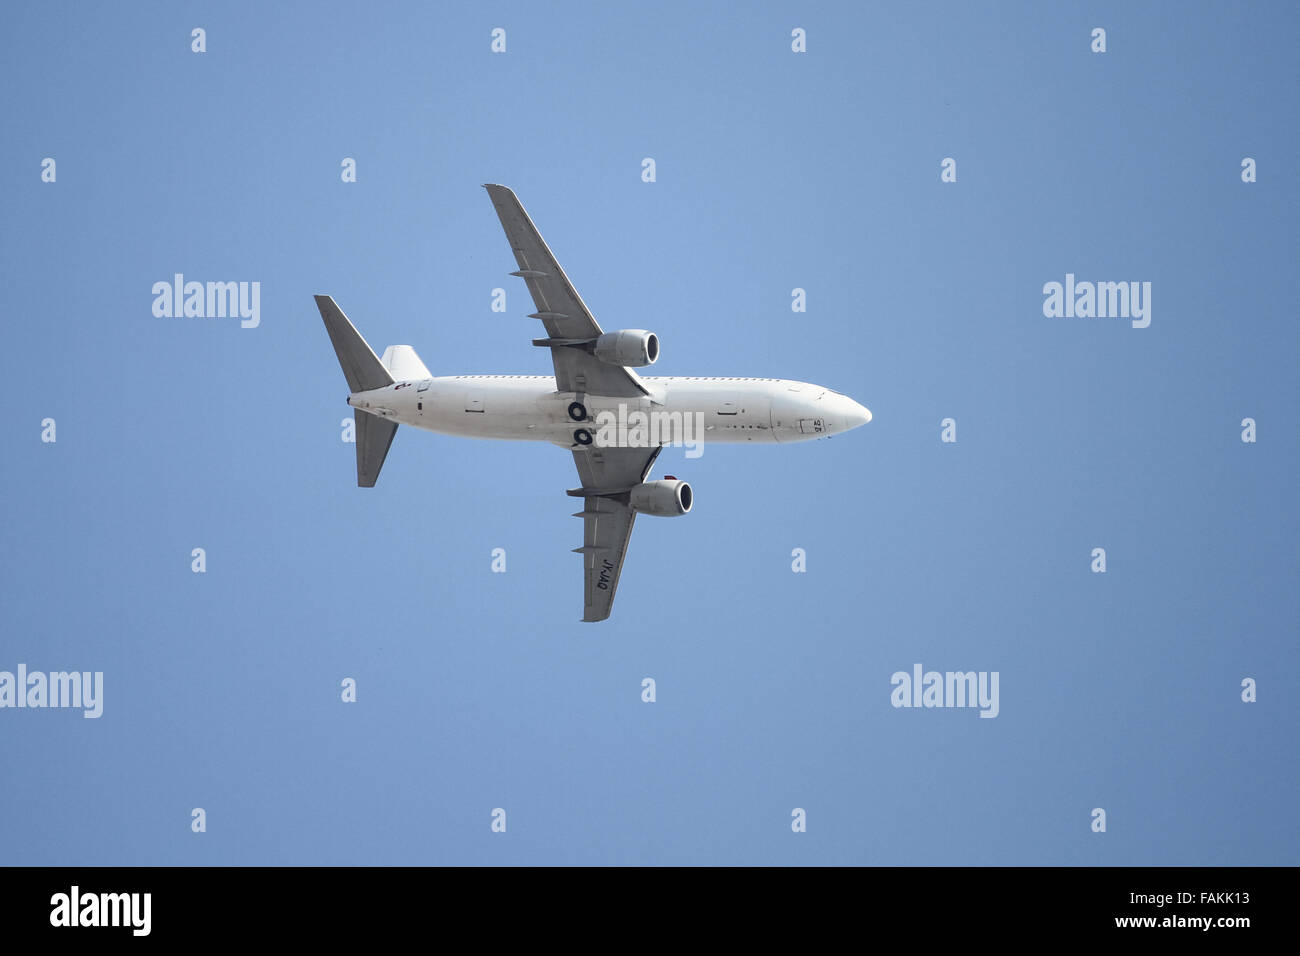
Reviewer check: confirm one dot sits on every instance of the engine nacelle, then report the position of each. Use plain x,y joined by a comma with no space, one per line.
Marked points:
633,347
663,499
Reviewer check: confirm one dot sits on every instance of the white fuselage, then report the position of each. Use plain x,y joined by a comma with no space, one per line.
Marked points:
679,409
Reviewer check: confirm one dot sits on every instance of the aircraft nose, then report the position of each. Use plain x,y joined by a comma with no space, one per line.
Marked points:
856,415
850,413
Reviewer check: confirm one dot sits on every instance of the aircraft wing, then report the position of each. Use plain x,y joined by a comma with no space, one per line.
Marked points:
607,474
559,307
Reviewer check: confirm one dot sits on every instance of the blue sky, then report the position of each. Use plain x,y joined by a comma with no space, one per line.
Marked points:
775,170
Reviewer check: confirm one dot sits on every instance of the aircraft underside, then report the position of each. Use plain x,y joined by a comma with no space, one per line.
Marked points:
613,421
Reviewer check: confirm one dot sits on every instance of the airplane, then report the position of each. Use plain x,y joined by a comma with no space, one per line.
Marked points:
614,421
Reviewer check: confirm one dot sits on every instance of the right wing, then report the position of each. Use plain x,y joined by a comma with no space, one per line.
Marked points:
559,307
607,474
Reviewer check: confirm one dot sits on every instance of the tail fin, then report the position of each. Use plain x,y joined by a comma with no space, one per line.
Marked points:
363,371
403,364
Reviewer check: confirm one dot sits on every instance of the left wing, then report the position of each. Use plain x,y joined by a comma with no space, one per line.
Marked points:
607,475
560,308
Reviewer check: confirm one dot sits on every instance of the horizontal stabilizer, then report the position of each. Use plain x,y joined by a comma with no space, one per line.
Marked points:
360,366
374,438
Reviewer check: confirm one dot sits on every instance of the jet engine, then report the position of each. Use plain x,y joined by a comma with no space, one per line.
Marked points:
663,499
631,347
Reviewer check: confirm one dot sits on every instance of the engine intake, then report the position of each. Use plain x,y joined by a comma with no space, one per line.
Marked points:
663,499
630,347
